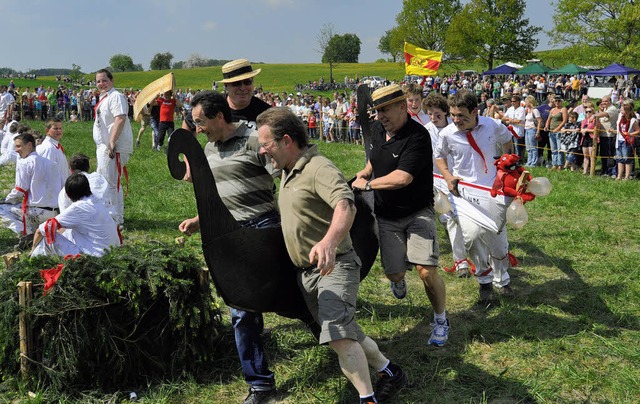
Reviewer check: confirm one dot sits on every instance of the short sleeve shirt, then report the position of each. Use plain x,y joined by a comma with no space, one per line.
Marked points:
308,196
410,151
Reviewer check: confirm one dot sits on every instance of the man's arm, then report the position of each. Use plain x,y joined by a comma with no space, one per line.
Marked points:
452,180
396,179
116,131
324,253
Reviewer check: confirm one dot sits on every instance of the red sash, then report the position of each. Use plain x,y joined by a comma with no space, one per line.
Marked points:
25,201
474,146
122,169
51,227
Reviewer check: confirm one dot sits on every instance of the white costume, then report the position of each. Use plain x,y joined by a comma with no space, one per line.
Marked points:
421,117
449,219
99,189
111,105
52,149
481,219
90,229
37,188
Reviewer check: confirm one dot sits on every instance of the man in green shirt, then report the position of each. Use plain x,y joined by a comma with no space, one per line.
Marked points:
317,209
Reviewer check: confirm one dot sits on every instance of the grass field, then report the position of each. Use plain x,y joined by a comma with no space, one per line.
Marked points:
570,334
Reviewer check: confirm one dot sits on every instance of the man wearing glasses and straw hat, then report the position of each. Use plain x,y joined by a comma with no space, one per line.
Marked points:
237,77
400,173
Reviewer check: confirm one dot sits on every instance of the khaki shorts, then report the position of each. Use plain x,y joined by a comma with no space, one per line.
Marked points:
332,298
408,241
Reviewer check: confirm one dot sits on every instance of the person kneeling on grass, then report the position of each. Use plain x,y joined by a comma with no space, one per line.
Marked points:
88,226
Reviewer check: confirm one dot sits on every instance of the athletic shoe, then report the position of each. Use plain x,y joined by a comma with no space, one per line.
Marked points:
260,396
387,386
399,289
463,272
439,333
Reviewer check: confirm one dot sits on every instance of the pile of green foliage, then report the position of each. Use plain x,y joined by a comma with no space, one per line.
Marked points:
137,314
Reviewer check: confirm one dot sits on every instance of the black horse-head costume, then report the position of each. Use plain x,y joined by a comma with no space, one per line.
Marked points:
250,267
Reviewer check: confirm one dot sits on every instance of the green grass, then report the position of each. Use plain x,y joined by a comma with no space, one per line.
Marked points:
571,333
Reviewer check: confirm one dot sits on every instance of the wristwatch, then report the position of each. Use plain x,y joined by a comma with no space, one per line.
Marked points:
367,186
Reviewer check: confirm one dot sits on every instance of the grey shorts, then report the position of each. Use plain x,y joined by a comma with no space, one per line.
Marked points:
412,240
332,298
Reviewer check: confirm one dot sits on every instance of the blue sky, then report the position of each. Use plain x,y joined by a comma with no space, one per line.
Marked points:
88,32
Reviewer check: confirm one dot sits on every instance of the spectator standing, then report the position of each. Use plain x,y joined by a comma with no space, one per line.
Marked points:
114,139
608,116
555,123
532,127
627,130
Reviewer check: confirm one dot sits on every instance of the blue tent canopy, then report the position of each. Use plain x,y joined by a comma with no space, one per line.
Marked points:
502,69
614,69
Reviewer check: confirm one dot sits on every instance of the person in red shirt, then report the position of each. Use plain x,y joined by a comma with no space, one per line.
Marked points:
167,110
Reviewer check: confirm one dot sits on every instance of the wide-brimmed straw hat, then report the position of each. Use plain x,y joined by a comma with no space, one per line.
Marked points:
387,95
237,70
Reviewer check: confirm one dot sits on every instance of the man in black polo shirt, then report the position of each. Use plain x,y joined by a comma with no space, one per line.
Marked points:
400,172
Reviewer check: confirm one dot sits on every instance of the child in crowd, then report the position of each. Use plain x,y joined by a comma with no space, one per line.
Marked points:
569,139
588,127
312,124
354,125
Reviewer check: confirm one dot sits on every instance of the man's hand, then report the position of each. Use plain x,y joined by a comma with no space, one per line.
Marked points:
325,255
359,184
190,226
111,150
452,184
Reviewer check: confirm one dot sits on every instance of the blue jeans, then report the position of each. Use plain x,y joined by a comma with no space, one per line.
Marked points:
532,147
155,128
248,327
556,157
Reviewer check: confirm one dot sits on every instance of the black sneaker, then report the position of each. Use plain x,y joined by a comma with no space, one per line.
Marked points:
260,396
387,385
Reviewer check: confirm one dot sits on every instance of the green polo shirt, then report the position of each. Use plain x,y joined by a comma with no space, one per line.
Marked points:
308,195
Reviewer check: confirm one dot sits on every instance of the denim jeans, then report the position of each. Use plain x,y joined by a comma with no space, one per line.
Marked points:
556,156
532,147
248,327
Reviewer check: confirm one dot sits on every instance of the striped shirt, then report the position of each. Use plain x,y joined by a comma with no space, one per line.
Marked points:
244,178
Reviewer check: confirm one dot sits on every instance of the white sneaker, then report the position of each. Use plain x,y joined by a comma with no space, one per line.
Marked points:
439,333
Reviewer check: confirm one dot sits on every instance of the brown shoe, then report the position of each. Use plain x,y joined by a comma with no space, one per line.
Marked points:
486,292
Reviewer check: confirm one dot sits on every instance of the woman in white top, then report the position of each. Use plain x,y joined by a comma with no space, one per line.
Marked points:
532,126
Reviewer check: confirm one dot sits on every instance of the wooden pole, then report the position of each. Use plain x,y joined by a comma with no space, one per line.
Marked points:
25,293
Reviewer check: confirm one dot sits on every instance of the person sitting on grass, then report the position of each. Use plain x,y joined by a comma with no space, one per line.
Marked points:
33,200
87,224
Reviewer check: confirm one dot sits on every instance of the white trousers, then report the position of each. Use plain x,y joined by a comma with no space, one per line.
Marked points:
108,168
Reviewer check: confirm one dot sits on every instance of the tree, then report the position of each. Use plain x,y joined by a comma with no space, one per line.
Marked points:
161,61
75,75
491,30
423,23
389,45
609,27
195,60
121,62
323,38
343,49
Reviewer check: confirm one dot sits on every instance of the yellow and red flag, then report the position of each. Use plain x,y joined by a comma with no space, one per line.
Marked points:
421,62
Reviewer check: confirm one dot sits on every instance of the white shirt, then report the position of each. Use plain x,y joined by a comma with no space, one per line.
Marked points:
113,104
6,99
422,118
519,114
90,226
51,149
99,188
434,133
37,175
465,162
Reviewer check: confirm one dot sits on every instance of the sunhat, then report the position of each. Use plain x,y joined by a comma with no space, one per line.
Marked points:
237,70
387,95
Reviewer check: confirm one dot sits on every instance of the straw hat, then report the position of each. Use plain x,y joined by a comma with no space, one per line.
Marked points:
387,95
237,70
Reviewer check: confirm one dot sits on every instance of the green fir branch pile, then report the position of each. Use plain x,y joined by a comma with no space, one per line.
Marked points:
137,314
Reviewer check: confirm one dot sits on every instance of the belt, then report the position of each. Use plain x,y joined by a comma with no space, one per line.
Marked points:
46,208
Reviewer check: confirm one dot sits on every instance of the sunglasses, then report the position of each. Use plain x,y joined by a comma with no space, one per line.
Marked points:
246,82
588,110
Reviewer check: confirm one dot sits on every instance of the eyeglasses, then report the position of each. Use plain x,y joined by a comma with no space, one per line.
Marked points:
588,110
514,100
267,144
245,82
199,123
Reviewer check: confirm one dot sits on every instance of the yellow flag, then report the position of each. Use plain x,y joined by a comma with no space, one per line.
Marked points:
421,62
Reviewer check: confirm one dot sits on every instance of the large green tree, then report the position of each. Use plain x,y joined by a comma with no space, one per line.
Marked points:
423,23
161,61
342,49
392,44
121,62
492,30
609,28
